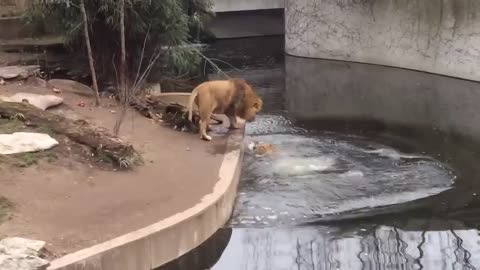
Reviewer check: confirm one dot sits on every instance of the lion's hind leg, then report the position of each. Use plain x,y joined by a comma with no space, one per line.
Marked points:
204,124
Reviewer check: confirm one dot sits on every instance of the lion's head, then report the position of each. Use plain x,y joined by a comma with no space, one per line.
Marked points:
251,104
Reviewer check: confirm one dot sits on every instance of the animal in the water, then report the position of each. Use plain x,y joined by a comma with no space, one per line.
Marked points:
234,98
262,149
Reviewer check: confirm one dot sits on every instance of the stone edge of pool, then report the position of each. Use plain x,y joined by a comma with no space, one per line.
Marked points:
159,243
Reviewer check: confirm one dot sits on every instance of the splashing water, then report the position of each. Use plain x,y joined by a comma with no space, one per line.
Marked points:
313,174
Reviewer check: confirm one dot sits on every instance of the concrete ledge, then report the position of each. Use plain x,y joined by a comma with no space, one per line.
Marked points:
235,5
14,28
247,24
166,240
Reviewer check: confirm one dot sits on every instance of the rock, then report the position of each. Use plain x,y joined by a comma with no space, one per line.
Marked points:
72,87
21,72
40,101
18,244
35,81
22,142
21,254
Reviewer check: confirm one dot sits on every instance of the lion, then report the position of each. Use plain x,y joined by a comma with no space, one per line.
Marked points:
262,149
234,98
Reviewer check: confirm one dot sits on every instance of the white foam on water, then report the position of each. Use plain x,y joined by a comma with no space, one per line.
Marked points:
380,200
302,165
393,154
352,174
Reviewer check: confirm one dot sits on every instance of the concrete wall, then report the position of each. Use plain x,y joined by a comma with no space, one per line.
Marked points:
439,36
12,7
242,5
247,24
333,90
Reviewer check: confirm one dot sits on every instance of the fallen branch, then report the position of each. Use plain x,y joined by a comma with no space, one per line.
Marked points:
171,113
120,152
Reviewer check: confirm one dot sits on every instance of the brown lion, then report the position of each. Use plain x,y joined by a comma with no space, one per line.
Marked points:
234,98
264,149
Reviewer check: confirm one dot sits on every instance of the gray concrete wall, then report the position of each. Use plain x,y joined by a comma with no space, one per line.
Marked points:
12,7
335,90
242,5
247,24
439,36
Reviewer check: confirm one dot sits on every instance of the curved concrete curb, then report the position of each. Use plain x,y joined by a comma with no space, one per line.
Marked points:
166,240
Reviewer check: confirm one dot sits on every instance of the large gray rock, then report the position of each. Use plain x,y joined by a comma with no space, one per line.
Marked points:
40,101
18,72
21,254
71,86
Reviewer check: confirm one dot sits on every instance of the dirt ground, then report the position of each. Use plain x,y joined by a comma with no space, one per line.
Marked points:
72,204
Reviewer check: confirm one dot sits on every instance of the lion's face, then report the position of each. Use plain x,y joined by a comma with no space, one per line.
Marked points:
263,148
253,106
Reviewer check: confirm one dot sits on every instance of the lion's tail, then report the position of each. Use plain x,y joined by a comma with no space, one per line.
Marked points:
191,100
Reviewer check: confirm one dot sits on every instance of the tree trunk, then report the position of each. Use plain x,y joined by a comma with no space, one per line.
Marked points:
89,51
80,131
123,65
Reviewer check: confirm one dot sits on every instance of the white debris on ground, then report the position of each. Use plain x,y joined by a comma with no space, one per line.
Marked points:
22,142
21,254
42,102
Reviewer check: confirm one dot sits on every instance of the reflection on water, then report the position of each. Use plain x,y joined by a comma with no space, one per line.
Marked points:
382,248
367,248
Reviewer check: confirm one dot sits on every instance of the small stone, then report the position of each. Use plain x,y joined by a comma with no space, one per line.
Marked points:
2,81
56,90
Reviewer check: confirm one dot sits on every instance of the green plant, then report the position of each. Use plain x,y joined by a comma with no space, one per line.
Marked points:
26,159
168,26
10,125
5,205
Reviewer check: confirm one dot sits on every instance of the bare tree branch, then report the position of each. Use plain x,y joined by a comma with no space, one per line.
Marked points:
89,51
